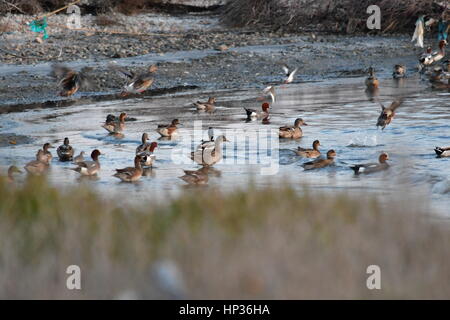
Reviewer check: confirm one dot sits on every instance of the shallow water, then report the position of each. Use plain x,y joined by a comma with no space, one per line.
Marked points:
338,112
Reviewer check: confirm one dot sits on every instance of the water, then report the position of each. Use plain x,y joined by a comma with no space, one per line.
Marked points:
338,112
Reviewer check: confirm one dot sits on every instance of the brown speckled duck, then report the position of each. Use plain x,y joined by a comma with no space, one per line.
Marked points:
387,114
131,174
69,80
372,82
137,83
321,163
206,106
38,166
47,155
113,126
399,71
292,132
372,167
309,153
195,177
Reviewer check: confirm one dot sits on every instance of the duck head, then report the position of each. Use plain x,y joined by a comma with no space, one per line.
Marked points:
13,169
66,141
95,154
152,146
144,137
265,107
153,68
383,157
175,122
299,122
316,145
331,154
212,100
122,117
222,138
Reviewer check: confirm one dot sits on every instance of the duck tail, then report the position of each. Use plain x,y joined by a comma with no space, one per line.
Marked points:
438,151
355,169
249,112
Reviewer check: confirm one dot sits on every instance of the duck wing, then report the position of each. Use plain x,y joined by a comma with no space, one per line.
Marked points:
122,71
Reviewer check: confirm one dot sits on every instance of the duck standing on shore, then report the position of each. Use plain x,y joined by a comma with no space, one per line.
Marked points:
206,106
65,151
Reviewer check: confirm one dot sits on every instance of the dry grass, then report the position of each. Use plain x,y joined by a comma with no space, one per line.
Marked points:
346,16
267,244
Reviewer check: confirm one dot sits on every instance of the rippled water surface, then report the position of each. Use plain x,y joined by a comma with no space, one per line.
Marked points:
339,114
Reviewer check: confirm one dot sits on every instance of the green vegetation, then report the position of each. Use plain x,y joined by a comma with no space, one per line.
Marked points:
271,243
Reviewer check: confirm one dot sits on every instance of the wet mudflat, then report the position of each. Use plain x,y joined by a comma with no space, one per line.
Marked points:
338,112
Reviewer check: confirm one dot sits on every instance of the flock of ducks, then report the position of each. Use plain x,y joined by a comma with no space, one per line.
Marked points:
209,152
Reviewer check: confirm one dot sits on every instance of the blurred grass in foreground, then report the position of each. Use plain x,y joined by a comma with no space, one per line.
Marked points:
271,243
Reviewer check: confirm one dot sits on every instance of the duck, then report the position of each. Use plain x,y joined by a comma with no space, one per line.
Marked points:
387,114
47,155
208,154
65,151
147,156
79,158
425,58
290,74
38,166
131,174
309,153
115,126
143,146
321,163
399,71
206,106
168,130
439,55
195,177
254,114
442,152
372,167
89,168
11,171
372,81
269,92
292,132
137,83
69,80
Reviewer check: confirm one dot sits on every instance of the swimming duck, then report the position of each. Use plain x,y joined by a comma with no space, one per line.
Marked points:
399,71
309,153
47,155
372,81
130,174
321,163
442,152
65,151
69,80
293,132
387,114
89,168
79,158
144,144
38,166
425,58
194,177
290,74
11,171
372,167
137,83
207,106
209,153
168,130
254,114
115,126
147,156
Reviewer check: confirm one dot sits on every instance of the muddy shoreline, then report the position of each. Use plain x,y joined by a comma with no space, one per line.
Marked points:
201,58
